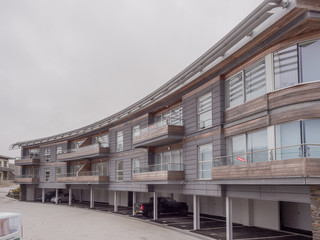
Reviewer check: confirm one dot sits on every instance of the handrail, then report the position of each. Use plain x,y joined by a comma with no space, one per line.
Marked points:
306,150
161,123
83,174
159,167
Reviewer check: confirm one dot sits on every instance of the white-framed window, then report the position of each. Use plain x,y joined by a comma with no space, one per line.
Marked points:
136,131
135,165
248,148
246,85
119,170
47,153
204,111
297,64
205,161
119,141
59,150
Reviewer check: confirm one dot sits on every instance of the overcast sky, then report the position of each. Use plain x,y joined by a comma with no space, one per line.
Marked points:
67,63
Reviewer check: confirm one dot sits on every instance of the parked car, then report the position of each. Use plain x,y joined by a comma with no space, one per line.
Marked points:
47,196
165,205
63,198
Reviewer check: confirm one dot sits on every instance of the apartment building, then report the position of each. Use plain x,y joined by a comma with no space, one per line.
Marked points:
236,134
5,170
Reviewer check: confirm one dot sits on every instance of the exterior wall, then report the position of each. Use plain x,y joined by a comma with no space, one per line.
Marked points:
296,216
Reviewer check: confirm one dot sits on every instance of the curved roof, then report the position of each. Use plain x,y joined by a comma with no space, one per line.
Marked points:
235,39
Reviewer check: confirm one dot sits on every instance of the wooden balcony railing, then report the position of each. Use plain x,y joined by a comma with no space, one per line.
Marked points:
22,179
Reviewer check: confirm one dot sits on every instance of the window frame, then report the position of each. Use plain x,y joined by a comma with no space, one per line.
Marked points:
200,113
119,144
201,162
118,163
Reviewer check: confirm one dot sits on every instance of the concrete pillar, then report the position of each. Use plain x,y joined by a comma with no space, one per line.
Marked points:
115,200
70,196
134,200
229,218
196,212
57,191
155,206
91,198
80,196
43,195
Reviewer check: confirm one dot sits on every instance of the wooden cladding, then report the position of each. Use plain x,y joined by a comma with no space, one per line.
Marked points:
83,179
26,180
301,101
299,167
88,153
27,161
160,136
159,176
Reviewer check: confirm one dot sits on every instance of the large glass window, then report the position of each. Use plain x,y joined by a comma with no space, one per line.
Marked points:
236,147
312,137
102,140
135,165
136,130
100,168
246,85
310,58
171,161
205,111
119,141
205,161
119,170
171,117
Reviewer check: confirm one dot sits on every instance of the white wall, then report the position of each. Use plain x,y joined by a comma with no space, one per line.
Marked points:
296,215
30,196
266,214
122,198
101,195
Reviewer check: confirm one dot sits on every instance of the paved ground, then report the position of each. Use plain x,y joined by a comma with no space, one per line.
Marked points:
53,222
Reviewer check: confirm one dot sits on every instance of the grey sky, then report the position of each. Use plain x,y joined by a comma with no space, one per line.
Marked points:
68,63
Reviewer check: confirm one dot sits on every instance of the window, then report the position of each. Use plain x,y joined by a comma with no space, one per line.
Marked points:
246,85
47,154
205,111
58,171
171,117
119,141
298,139
297,64
32,172
102,140
205,161
135,166
47,175
100,168
59,150
248,148
136,130
32,153
169,161
119,170
75,168
5,164
76,144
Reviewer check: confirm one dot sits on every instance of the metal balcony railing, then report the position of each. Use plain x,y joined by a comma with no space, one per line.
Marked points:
158,124
159,167
27,176
31,156
281,153
83,149
82,174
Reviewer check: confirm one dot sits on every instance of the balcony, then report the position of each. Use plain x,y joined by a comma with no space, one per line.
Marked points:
301,160
24,179
28,160
91,151
159,134
159,172
83,177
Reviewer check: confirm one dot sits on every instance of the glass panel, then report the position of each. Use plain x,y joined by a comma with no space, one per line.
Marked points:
286,67
165,160
312,136
204,103
257,141
176,161
136,131
255,81
205,111
205,161
234,88
288,134
135,165
310,58
236,146
119,141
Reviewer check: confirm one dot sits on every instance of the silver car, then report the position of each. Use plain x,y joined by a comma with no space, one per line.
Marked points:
63,198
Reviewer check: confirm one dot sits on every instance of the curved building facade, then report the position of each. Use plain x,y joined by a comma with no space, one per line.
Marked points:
240,126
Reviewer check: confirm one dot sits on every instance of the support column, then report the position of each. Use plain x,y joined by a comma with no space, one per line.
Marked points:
229,218
43,195
115,200
155,206
134,200
70,196
196,212
57,190
91,197
80,196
